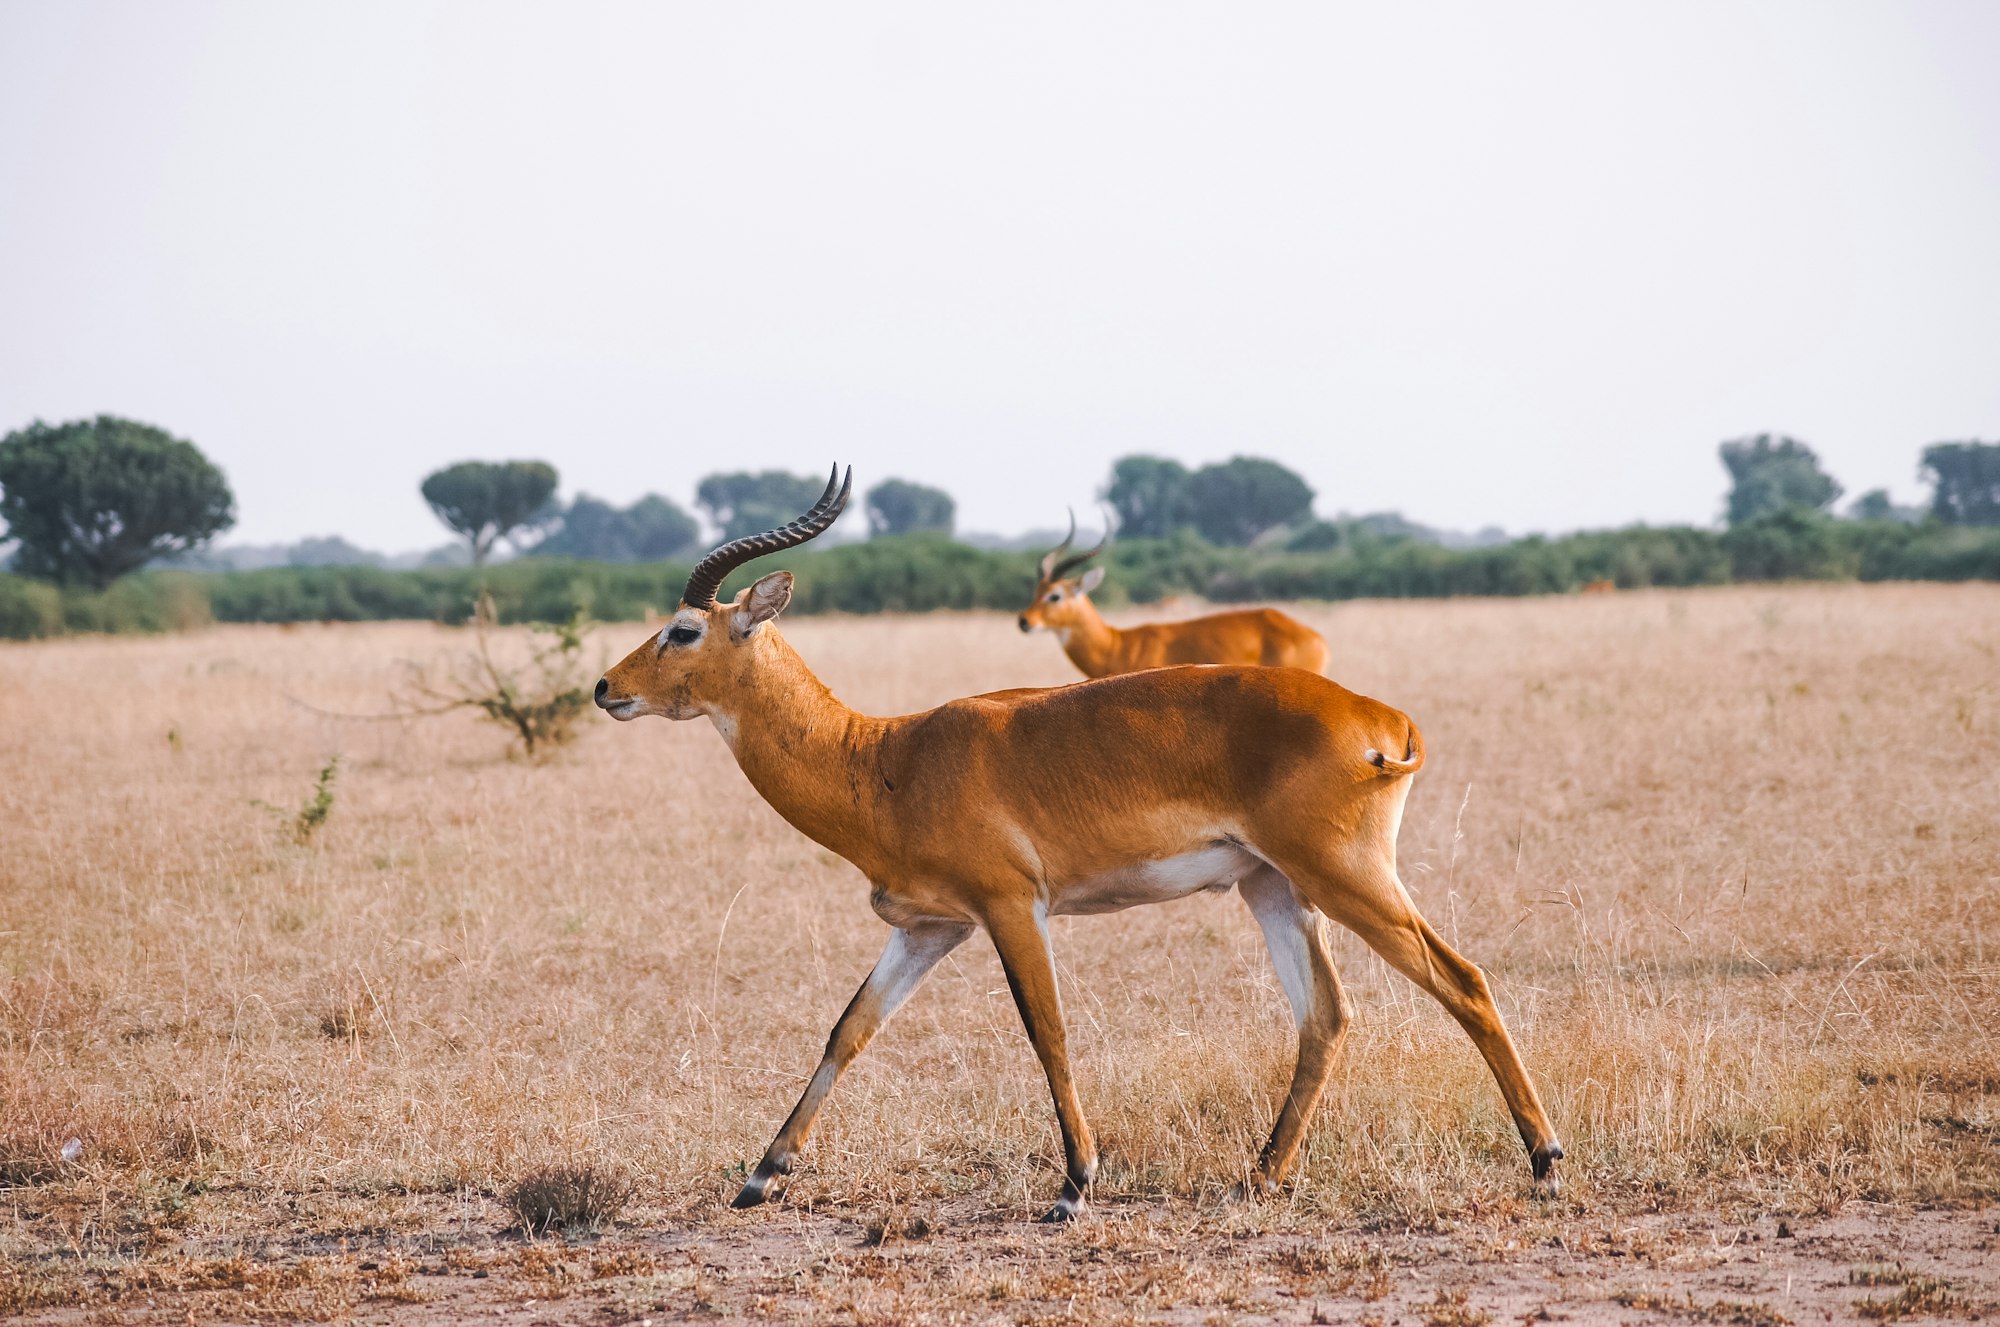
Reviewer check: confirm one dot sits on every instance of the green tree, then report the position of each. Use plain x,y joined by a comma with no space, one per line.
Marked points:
1791,543
94,499
897,506
486,501
743,503
1874,505
1236,500
661,528
650,530
1770,474
1150,495
1967,475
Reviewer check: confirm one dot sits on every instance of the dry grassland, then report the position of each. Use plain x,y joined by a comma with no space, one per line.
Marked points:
1731,858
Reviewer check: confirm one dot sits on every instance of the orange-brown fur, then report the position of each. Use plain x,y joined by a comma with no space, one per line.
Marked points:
994,811
1261,636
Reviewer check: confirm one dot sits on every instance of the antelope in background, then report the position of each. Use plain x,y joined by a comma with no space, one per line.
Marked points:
997,812
1245,636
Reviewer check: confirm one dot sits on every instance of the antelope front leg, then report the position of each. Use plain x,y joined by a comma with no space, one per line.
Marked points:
910,955
1022,939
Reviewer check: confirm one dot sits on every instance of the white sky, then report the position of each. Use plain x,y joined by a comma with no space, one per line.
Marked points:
1487,264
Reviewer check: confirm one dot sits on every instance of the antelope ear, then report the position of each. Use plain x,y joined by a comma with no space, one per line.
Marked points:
762,602
1091,580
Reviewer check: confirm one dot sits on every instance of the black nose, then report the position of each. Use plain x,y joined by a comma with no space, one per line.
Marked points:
1024,623
603,685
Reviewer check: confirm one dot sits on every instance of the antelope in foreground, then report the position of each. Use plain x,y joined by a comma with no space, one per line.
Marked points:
1246,636
1000,811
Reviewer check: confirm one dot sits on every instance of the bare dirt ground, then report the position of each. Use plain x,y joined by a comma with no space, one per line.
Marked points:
1731,859
1164,1263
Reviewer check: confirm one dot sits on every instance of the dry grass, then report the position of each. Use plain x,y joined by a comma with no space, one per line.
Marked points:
1731,858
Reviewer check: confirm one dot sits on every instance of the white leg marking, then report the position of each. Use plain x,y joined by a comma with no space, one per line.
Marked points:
908,957
1288,925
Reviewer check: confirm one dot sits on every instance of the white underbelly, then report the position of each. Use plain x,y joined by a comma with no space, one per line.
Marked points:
1218,866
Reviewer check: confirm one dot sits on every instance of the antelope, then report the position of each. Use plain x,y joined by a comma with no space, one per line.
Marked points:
1000,811
1246,636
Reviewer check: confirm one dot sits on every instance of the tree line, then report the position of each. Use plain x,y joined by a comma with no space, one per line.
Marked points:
921,572
92,500
485,501
89,502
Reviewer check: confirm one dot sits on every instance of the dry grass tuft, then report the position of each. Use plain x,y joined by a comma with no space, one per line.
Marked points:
1923,1297
1451,1309
26,1161
1919,1295
896,1226
1727,1312
345,1014
575,1199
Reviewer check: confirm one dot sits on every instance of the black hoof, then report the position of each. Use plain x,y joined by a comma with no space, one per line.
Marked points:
1061,1212
761,1189
1249,1191
1543,1159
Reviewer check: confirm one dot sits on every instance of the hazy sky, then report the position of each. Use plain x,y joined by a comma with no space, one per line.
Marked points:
1487,264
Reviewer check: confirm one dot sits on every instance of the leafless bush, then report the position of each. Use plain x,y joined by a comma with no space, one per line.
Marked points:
571,1198
538,702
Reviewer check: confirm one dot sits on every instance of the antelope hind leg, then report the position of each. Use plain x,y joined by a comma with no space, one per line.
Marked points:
1369,899
1293,934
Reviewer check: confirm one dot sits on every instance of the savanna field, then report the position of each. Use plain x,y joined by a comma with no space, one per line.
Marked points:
1730,857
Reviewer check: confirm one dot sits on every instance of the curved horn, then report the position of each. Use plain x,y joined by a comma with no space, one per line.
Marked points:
708,574
1048,564
1075,560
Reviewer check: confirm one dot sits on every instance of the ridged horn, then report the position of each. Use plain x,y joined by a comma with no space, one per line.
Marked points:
1048,564
1055,566
709,572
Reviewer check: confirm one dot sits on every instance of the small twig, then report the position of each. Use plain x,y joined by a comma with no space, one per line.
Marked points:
1826,1010
715,972
387,1024
370,718
1451,870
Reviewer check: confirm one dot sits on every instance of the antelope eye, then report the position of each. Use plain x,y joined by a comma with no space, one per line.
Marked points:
1055,596
683,635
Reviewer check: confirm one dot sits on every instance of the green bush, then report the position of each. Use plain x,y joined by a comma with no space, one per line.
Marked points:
1893,551
921,572
150,601
29,610
1792,544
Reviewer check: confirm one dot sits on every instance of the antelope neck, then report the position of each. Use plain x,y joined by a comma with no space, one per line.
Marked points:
1090,642
807,754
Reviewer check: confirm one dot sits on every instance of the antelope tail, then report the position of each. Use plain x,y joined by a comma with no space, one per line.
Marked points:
1409,764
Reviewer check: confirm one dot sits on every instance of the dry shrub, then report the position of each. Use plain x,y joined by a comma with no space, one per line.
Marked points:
573,1198
538,701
